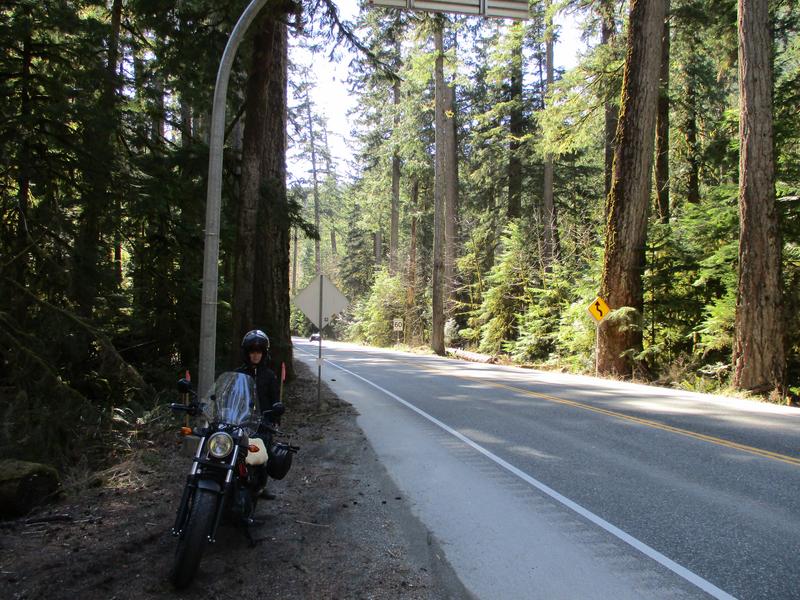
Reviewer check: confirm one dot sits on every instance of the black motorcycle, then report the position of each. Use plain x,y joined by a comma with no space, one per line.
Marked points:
235,455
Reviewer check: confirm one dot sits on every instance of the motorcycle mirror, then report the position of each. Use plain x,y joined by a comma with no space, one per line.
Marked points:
184,386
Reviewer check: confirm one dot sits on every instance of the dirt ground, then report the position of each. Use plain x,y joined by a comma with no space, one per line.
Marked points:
339,528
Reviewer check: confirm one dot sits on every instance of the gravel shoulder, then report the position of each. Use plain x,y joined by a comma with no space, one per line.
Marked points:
339,527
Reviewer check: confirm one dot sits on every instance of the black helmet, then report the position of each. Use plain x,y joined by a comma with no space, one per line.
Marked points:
255,340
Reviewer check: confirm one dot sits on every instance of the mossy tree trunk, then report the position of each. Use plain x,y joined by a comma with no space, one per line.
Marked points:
629,199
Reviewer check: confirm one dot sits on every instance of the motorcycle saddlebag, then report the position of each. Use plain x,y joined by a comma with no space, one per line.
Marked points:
280,459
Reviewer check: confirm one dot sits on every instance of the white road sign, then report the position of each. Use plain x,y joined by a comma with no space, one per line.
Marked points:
397,324
320,300
509,9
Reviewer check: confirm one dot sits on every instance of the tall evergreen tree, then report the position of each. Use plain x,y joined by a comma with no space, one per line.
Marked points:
629,199
758,357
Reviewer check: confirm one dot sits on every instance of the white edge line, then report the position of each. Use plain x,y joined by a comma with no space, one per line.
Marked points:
670,564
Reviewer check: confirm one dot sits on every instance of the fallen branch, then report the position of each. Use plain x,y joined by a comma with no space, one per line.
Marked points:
307,523
49,519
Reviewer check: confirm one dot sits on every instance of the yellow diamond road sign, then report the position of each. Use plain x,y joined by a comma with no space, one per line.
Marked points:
599,309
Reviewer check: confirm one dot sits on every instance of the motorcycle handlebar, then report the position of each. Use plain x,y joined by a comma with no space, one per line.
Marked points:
189,408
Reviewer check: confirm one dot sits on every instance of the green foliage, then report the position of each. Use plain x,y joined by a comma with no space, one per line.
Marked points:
372,316
556,327
507,291
358,261
102,191
573,119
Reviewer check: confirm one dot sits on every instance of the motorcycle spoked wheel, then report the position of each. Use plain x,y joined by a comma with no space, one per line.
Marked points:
195,536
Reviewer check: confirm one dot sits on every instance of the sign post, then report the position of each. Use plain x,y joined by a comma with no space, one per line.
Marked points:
319,301
397,326
599,310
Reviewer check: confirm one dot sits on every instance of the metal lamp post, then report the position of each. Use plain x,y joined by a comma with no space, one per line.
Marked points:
208,309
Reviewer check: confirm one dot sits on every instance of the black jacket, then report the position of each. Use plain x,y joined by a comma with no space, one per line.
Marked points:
267,386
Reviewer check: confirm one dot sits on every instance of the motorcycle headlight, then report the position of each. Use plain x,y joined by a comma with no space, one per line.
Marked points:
220,445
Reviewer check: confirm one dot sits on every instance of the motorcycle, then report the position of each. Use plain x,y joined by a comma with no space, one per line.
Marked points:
235,455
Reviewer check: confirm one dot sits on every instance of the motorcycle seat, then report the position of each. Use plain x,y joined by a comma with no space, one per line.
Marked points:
257,458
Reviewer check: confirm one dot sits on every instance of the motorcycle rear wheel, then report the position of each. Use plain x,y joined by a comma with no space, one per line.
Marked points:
195,536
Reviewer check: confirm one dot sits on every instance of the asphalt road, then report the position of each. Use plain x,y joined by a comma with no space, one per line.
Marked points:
551,486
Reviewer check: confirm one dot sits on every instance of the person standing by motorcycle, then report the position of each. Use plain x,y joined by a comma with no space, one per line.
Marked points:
255,351
255,347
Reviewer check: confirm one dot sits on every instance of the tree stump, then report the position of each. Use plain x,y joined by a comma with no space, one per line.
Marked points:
24,485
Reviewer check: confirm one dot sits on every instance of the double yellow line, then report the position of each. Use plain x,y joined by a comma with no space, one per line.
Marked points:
618,415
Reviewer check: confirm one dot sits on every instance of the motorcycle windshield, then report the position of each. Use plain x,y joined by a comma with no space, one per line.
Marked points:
232,400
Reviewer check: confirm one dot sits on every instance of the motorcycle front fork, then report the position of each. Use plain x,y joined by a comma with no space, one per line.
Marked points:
188,492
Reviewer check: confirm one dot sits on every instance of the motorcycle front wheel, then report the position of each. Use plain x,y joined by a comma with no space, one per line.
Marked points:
193,540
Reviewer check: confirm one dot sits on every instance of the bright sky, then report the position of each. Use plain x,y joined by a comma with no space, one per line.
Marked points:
332,95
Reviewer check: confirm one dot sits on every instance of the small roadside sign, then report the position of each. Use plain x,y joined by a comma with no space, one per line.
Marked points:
599,309
397,325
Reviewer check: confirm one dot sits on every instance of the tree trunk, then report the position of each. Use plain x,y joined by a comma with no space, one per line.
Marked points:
607,36
24,485
437,283
186,123
294,260
411,289
662,129
758,356
549,211
394,231
693,187
261,285
315,183
451,197
98,142
629,199
21,302
516,127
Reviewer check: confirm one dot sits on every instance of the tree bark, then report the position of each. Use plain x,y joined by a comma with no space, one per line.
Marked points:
516,129
549,211
315,183
451,197
186,123
693,186
437,283
261,285
662,129
22,235
394,230
759,354
607,36
98,142
411,289
294,260
629,199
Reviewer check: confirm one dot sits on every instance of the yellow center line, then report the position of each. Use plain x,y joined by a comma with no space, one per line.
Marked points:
647,422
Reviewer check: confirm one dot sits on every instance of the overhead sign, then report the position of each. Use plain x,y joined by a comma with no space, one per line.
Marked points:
321,300
507,9
599,309
397,325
